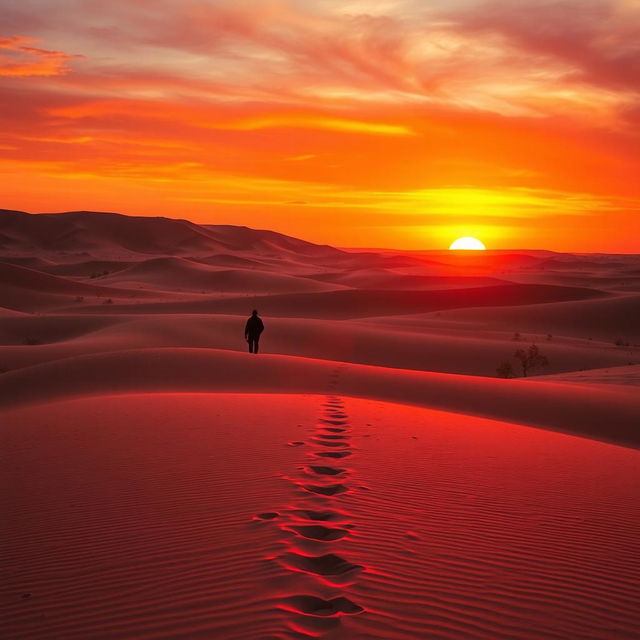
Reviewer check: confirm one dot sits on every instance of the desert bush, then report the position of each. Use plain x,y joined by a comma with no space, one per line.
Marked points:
108,301
530,359
31,341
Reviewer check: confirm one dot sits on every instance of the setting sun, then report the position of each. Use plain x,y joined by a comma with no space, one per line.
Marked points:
467,243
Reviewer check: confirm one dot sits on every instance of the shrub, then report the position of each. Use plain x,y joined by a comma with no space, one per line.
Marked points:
530,359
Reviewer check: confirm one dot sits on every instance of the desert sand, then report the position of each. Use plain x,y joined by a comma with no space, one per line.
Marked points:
366,476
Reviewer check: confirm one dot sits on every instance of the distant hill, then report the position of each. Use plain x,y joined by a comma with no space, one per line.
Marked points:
90,234
266,243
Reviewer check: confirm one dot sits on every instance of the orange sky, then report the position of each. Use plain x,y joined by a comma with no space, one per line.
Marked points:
398,123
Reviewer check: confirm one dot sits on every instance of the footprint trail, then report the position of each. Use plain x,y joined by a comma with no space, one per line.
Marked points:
315,529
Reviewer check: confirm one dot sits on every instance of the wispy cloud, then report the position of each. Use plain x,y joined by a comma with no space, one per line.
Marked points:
18,58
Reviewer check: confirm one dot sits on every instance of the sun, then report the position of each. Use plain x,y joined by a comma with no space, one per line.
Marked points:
467,243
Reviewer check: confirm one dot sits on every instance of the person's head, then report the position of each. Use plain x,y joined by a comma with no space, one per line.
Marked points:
254,312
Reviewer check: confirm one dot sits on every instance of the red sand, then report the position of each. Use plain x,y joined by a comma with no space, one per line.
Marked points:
165,484
139,517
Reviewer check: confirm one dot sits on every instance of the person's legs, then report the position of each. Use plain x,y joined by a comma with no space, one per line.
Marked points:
250,341
255,344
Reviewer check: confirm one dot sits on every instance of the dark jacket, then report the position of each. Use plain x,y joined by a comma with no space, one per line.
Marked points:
254,327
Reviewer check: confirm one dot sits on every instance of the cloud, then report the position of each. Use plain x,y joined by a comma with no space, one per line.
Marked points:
19,59
447,101
598,40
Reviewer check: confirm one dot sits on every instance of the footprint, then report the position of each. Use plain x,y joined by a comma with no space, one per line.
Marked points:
326,490
319,516
326,471
332,454
335,429
267,515
326,565
327,436
318,532
335,423
328,443
295,443
312,606
336,414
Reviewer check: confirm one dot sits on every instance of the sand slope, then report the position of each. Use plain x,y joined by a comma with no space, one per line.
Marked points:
366,477
26,289
555,406
108,235
364,343
172,274
604,319
345,304
201,522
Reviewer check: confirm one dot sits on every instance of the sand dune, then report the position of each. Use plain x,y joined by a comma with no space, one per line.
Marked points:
389,280
32,262
100,234
347,304
366,476
622,375
263,242
76,269
203,523
11,313
109,234
187,275
87,269
471,263
559,407
62,336
616,282
231,260
25,289
592,262
600,319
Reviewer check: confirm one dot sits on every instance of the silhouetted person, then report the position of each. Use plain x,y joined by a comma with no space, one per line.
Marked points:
252,331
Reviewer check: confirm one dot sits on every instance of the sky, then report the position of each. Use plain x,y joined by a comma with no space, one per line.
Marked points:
358,123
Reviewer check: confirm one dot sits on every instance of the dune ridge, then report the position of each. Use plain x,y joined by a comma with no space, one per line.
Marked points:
371,343
206,370
361,303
